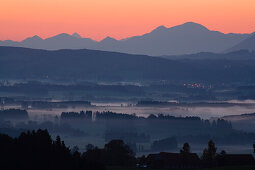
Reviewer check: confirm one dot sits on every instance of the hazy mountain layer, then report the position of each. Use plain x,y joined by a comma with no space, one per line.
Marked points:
247,44
182,39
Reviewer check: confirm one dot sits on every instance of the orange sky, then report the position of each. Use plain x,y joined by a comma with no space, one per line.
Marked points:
119,18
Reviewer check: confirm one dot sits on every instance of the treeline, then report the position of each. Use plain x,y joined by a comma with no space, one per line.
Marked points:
76,115
148,102
114,115
136,130
108,115
36,150
13,114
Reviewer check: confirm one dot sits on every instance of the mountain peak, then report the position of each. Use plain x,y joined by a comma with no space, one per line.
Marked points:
160,28
61,36
108,39
191,23
76,35
34,38
192,26
186,27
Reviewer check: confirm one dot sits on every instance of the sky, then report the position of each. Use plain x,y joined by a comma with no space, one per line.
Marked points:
119,19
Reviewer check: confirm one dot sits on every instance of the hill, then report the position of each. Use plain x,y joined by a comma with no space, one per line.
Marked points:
24,63
233,55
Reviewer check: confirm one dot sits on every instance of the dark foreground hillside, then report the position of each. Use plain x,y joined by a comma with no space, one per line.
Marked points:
217,168
36,150
24,63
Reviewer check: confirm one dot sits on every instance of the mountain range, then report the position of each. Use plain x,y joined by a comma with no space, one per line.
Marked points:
187,38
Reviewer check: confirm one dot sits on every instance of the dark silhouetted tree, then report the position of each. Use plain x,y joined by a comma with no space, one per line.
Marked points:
89,147
185,149
254,148
117,153
209,154
185,154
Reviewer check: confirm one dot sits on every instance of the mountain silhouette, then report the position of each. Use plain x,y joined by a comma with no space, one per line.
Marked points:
187,38
183,39
247,44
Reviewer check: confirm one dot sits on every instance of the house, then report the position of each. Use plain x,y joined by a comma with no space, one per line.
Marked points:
173,160
236,159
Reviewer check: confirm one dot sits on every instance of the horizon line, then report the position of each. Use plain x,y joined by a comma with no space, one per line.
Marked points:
119,39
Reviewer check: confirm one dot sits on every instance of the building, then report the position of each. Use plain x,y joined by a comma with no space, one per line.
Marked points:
173,160
236,160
